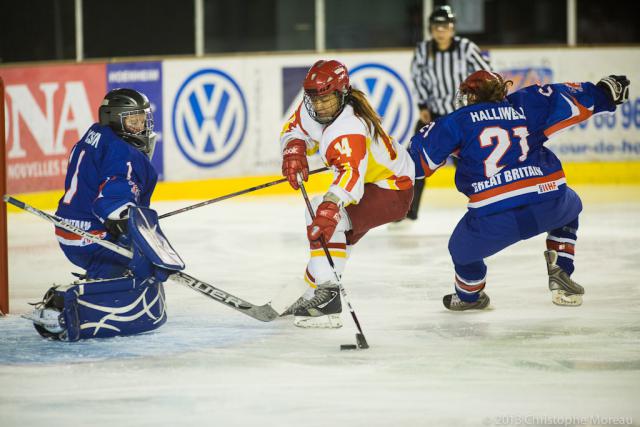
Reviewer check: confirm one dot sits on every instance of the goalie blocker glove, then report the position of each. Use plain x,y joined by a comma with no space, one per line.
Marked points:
617,87
117,222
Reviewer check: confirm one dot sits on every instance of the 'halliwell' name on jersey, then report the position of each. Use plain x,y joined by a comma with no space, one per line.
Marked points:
500,113
507,176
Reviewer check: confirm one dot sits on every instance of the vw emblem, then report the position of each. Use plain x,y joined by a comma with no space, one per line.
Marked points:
209,117
389,95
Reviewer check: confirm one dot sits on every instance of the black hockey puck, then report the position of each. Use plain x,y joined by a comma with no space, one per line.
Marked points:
348,347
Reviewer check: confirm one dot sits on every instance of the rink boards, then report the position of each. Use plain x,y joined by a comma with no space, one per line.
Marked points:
219,118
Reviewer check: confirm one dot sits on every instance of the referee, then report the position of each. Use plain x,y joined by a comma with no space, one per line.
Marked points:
439,65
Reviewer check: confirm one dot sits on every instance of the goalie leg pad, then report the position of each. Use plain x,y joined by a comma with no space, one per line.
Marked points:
102,308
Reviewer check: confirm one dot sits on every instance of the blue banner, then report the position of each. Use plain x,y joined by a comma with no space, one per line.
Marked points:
145,77
292,78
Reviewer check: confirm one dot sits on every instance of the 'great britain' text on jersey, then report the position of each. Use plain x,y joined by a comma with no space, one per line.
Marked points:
507,176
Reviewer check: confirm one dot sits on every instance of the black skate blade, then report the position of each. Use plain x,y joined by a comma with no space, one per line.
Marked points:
362,342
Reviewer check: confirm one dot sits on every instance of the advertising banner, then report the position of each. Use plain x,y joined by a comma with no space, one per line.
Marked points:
223,116
606,137
47,110
145,77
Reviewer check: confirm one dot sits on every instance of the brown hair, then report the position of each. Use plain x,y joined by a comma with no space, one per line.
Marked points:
365,111
490,91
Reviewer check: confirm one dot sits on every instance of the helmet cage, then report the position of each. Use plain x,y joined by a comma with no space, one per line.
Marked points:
341,99
148,122
143,140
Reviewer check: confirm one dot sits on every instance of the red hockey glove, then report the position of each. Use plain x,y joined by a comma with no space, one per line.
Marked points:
294,161
327,218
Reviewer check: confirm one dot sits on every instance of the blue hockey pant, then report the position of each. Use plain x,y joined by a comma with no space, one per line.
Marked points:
476,238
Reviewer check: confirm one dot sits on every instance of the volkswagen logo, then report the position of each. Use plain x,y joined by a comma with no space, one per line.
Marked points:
389,95
209,117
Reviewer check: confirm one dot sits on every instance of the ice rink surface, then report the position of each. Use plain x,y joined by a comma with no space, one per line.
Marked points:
523,362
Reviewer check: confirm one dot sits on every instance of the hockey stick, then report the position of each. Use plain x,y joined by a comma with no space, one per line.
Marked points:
228,196
360,339
263,313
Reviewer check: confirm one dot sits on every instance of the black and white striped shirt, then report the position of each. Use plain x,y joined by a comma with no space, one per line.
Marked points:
437,74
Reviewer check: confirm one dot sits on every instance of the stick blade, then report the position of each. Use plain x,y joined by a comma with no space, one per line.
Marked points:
362,341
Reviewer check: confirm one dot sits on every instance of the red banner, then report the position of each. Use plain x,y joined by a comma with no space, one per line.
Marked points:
47,110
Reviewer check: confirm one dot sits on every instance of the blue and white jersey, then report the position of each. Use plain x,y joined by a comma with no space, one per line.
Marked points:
503,163
104,176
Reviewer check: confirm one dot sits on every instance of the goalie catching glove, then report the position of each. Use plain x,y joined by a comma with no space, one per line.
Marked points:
617,87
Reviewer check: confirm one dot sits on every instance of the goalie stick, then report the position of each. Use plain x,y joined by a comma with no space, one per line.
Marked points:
264,313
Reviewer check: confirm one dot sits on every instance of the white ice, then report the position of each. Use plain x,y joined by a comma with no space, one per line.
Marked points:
524,362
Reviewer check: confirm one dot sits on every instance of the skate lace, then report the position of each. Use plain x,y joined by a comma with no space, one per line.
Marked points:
48,297
456,301
320,296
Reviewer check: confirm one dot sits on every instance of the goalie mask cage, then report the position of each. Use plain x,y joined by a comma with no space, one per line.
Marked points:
4,265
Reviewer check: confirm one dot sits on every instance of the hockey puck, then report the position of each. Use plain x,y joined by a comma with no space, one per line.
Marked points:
348,347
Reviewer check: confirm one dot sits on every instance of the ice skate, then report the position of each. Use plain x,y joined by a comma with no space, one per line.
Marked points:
46,316
454,303
321,311
564,291
46,321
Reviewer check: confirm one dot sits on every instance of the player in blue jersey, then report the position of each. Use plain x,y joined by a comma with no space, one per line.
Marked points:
109,171
515,185
110,175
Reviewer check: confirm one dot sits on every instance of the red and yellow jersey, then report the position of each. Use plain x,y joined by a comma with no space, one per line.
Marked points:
347,146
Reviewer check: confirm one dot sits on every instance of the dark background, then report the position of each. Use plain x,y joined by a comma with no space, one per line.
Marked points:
37,30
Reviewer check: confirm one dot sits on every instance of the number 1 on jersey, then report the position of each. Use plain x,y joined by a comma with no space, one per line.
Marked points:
73,185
